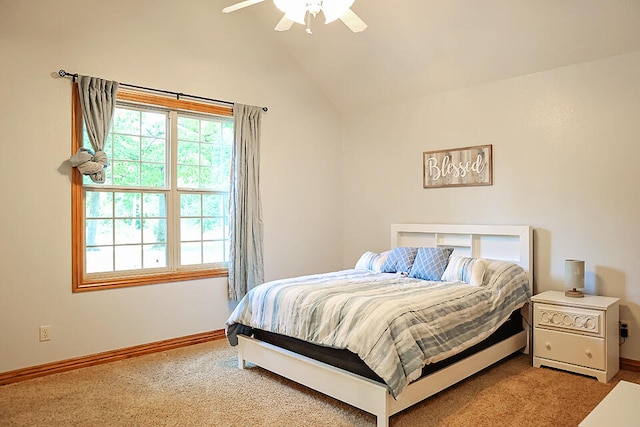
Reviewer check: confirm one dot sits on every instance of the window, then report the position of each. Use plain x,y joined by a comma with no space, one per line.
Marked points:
161,214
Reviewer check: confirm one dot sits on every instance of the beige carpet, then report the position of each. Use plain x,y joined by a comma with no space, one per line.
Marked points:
201,385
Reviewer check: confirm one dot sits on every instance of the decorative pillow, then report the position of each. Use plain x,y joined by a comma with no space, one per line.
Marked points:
377,267
400,260
372,261
466,270
430,263
366,259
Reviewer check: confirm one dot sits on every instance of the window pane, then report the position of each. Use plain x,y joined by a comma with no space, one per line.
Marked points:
222,160
207,230
108,175
154,256
154,124
190,253
153,150
126,173
126,147
211,131
190,229
127,205
206,154
190,205
152,175
99,204
188,176
188,129
188,153
214,204
217,155
128,257
136,136
206,178
202,143
213,252
154,231
213,229
154,205
99,259
126,121
99,232
127,231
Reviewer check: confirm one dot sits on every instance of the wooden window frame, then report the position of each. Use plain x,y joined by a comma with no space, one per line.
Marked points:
80,283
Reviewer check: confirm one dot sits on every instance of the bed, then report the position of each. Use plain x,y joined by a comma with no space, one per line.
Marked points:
357,365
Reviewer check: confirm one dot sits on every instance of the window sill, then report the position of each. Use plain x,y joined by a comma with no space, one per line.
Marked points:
126,282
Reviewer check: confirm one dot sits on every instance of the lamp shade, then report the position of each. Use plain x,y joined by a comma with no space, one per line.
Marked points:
574,273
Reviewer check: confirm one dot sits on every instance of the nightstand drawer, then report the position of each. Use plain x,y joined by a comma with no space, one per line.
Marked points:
570,348
580,320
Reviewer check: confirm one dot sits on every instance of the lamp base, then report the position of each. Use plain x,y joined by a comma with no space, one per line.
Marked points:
574,293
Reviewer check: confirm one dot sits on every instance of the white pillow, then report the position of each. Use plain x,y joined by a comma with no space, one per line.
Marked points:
372,261
465,270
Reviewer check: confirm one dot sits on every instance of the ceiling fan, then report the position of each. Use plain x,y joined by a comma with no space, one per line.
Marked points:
301,11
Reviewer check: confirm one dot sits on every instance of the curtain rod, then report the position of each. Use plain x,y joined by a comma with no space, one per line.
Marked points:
63,73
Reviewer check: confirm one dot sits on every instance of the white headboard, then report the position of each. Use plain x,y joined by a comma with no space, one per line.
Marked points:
502,242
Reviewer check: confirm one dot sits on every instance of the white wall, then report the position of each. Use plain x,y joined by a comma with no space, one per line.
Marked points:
566,151
188,47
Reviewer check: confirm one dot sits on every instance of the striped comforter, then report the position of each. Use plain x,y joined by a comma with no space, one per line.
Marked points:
395,324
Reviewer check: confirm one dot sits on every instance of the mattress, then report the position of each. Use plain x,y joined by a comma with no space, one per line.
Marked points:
351,362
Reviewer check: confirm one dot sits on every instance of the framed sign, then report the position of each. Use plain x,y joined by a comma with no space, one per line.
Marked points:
458,167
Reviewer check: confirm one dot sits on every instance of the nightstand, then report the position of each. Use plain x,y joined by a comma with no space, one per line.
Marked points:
576,334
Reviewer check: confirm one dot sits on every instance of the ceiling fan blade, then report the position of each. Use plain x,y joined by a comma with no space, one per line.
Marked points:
284,24
240,5
353,21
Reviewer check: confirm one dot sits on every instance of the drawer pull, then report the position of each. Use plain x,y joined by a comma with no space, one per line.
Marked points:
588,353
547,345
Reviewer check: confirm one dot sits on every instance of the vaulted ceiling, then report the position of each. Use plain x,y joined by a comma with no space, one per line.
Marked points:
416,47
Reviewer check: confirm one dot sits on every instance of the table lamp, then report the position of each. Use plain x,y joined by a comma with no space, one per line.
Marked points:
574,277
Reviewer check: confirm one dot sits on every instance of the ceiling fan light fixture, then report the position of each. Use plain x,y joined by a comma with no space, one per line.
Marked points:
334,9
296,10
301,11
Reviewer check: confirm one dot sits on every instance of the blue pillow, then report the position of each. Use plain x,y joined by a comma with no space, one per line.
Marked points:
399,260
430,263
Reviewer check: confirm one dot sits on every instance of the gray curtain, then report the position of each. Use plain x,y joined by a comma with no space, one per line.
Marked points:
98,101
246,267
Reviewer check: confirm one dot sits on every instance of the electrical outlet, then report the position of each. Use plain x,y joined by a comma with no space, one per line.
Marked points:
624,324
45,333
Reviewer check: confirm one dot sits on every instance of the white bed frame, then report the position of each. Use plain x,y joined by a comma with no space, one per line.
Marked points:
504,242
